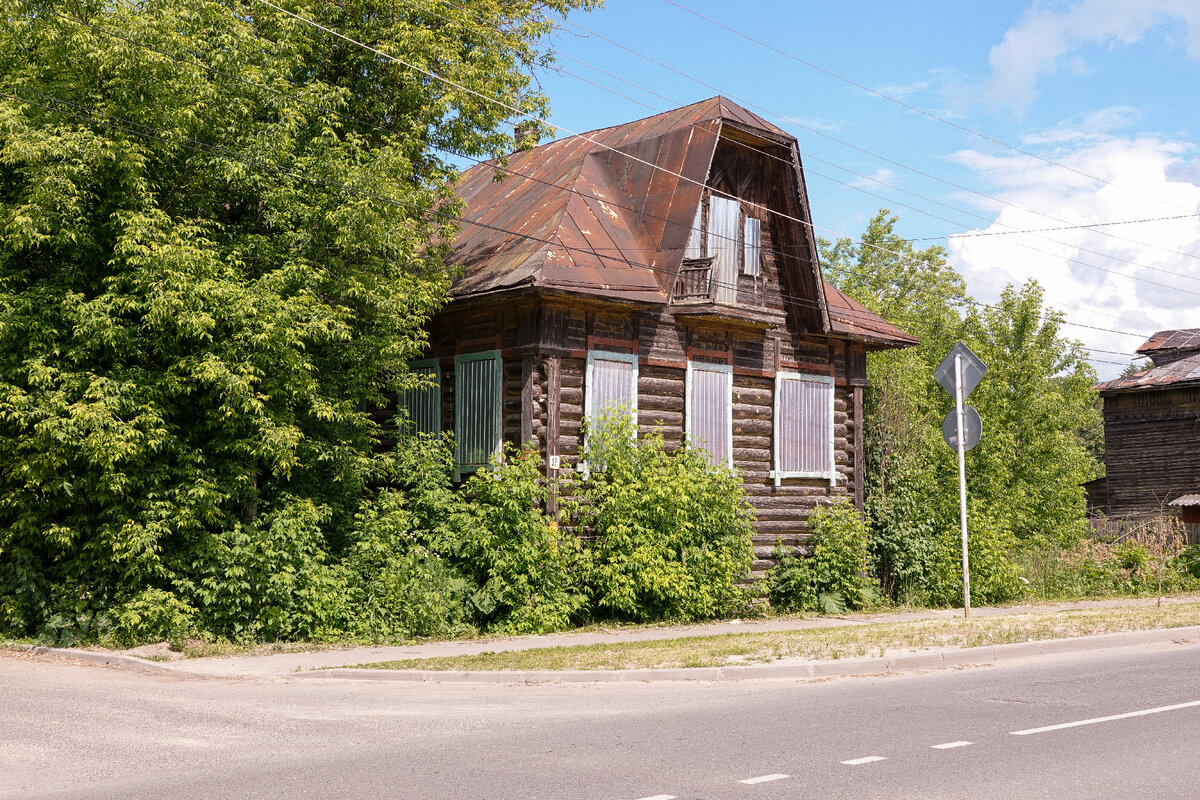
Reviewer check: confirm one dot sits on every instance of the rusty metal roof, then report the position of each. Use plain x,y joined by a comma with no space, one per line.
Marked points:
1185,339
1182,371
1176,356
853,319
609,213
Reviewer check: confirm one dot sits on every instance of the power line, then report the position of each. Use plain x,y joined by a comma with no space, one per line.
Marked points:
150,132
916,109
857,188
280,170
816,132
585,137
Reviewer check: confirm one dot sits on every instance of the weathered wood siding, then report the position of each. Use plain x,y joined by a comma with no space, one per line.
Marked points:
544,348
1152,448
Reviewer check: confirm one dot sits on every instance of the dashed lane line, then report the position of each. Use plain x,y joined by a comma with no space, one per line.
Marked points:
659,797
854,762
764,778
950,745
1112,718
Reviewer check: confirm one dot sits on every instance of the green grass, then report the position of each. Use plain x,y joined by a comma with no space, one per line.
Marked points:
818,643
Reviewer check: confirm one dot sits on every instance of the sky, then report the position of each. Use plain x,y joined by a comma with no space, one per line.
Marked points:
980,125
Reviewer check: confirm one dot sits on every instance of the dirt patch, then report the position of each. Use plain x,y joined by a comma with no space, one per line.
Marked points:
159,651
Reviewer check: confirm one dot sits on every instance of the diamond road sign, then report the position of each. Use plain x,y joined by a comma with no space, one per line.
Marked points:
972,428
973,370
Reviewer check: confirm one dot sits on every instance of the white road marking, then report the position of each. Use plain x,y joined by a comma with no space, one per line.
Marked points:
764,778
1096,720
950,745
659,797
854,762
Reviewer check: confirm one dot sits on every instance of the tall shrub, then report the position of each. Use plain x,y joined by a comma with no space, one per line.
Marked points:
220,240
669,532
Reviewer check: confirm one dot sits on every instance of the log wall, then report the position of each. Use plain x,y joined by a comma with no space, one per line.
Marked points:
1152,448
544,348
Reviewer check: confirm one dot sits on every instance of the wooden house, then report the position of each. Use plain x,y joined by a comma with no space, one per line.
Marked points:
1152,431
667,265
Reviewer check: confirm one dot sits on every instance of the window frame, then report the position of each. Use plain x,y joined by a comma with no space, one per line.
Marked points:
420,364
751,251
589,401
497,413
688,403
777,473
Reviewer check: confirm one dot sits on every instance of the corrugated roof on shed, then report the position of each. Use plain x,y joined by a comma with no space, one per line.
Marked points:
1172,340
1176,356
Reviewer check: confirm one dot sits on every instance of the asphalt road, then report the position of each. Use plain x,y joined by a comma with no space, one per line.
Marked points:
95,732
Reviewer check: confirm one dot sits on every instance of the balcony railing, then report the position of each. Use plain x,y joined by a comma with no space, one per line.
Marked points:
694,281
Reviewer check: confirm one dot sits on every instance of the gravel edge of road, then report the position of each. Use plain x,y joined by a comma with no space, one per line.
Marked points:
788,669
783,670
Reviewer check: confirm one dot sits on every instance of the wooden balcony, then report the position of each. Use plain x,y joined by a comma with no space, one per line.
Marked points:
694,282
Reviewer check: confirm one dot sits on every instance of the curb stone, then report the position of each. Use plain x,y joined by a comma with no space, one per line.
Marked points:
112,659
983,655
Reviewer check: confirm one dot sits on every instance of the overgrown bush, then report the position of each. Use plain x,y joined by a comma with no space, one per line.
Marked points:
671,533
995,578
525,568
835,578
1140,558
399,584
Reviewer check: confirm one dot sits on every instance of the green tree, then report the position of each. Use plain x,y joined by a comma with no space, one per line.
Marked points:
220,238
1025,476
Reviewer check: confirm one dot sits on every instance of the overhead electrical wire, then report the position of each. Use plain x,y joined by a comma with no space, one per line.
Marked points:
584,136
890,201
893,202
917,109
529,116
280,170
151,132
785,120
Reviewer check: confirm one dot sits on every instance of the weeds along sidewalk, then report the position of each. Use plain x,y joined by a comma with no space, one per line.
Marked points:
722,644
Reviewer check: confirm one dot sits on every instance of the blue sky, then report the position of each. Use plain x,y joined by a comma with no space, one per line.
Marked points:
1108,89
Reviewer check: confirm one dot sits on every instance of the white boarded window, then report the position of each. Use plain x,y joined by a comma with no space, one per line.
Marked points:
804,427
752,249
708,410
693,249
610,385
478,399
421,407
724,217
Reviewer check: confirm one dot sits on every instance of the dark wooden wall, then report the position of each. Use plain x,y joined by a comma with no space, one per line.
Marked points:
544,345
1152,448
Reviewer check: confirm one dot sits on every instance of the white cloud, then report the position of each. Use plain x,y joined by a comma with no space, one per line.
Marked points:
1048,37
1137,278
813,123
1090,126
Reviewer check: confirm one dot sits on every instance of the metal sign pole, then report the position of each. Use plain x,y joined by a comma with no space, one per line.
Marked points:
962,481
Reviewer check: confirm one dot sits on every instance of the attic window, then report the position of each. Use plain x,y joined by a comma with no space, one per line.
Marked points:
730,238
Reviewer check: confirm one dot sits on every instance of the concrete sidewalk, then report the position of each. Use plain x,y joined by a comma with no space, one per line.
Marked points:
303,664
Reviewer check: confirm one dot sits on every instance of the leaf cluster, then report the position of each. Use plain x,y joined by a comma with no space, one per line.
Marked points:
222,233
1041,423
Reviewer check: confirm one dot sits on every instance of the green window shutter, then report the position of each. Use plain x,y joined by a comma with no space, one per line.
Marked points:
421,407
478,406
